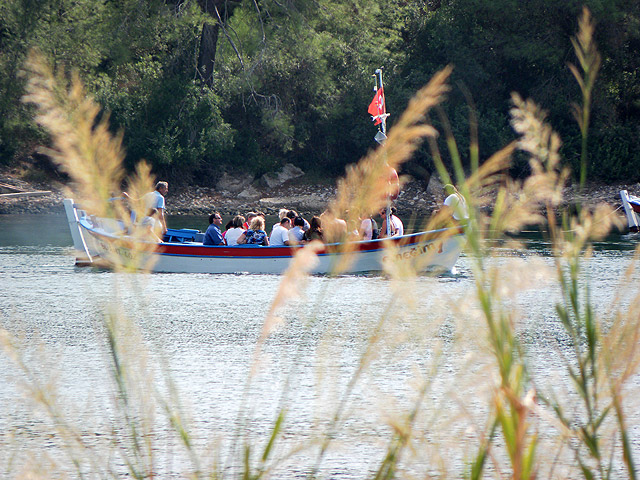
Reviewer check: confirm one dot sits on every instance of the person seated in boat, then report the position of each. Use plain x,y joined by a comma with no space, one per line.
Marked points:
456,204
315,230
250,216
292,214
255,235
396,226
232,235
227,227
213,235
369,229
282,213
151,225
296,234
334,229
122,205
280,233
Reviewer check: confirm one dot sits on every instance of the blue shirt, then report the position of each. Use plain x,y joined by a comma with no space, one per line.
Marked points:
213,236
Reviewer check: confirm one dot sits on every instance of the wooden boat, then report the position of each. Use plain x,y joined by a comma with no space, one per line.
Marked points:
104,241
631,206
98,240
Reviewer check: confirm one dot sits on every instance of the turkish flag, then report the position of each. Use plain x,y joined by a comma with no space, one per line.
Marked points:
377,107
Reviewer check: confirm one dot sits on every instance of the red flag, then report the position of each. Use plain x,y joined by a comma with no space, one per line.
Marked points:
377,107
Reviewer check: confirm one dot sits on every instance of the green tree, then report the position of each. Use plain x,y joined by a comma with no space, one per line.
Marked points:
304,78
504,46
68,32
199,85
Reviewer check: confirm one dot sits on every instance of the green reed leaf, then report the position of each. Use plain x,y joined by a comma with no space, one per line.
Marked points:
528,460
627,451
477,467
588,474
274,435
591,441
601,418
246,474
508,430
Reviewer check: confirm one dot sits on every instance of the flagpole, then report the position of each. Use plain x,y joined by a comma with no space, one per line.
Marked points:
378,75
380,138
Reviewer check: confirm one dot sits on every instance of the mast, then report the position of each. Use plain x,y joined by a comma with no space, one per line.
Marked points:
378,110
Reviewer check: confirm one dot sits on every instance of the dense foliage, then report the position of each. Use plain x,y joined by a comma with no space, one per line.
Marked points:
210,85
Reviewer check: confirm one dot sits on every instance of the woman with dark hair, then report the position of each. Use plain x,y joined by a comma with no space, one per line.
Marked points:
235,231
315,230
296,234
292,214
255,235
226,229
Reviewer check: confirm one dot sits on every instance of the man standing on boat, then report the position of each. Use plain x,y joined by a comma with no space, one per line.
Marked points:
213,235
155,200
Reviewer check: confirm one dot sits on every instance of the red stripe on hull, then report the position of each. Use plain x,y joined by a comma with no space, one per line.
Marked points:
196,250
287,252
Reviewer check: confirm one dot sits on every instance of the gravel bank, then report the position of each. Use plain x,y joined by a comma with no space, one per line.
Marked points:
415,198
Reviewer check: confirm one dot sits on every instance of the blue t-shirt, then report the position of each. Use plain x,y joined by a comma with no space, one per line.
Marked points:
213,235
255,237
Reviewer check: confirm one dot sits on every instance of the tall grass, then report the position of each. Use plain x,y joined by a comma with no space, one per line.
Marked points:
497,418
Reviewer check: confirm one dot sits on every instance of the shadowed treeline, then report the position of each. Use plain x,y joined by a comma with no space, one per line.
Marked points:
204,86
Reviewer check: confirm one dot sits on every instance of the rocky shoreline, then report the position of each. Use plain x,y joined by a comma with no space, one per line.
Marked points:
416,199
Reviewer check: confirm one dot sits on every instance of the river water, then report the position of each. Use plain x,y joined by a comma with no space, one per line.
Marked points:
198,338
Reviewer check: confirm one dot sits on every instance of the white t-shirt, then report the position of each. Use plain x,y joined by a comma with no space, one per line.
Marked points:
232,235
154,200
397,225
279,235
457,203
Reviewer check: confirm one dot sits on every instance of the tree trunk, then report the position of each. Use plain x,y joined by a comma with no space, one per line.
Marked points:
207,55
218,10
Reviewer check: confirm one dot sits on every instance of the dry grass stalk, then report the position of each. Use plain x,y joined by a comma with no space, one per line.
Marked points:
365,189
293,283
85,149
291,287
589,59
82,144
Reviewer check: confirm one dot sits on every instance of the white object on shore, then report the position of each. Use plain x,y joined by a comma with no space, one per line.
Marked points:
631,206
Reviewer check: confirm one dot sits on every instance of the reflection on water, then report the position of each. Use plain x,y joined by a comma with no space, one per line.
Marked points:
207,329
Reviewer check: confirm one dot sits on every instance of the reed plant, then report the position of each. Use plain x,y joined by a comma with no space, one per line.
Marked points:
497,419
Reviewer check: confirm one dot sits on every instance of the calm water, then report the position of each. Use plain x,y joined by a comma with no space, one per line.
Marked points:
203,331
